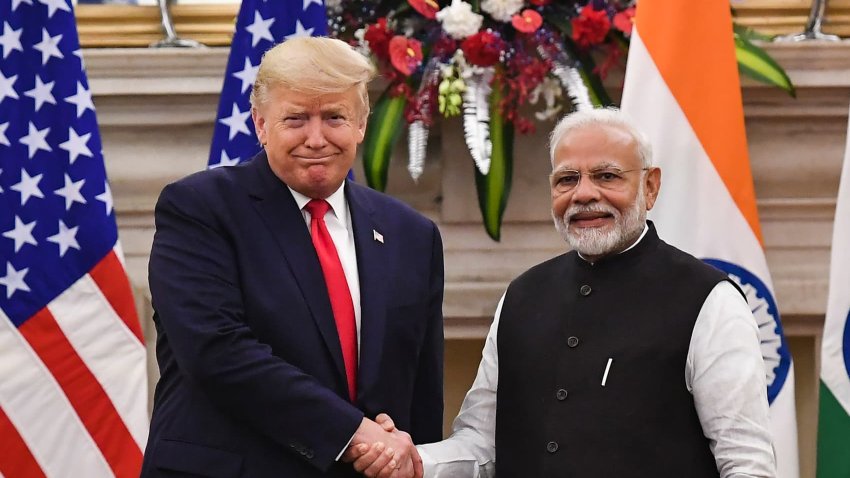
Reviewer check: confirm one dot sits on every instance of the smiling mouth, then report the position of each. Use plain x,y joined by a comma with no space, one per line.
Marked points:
590,219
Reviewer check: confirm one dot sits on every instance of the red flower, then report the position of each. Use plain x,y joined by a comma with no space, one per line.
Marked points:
405,54
378,36
541,3
428,8
483,48
528,21
624,20
590,27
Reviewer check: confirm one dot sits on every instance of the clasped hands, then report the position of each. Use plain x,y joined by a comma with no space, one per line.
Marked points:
379,450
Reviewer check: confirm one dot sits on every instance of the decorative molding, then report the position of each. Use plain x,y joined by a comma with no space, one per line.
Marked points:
212,24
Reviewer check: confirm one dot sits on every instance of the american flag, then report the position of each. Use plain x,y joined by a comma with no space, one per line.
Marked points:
260,25
73,398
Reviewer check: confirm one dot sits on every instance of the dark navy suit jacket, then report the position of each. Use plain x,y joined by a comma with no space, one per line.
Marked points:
252,379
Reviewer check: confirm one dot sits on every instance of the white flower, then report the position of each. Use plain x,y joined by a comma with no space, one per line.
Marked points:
458,20
501,10
550,91
333,5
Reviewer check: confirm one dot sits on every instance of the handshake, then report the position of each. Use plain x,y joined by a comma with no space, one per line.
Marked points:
379,450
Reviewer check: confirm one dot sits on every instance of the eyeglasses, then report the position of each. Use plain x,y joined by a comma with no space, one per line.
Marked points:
613,179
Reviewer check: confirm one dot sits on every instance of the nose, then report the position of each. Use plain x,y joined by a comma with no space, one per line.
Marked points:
315,134
585,191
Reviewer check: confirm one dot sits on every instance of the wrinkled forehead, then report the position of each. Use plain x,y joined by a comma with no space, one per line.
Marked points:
595,147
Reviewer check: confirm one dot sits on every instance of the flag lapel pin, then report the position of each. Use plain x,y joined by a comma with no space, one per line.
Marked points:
377,236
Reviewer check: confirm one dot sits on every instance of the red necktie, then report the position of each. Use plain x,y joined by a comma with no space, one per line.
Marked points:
341,304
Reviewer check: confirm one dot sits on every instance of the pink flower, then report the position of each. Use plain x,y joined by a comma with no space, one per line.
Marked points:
405,54
590,27
528,21
624,20
427,8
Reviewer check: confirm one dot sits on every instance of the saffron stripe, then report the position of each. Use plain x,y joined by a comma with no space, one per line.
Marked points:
697,62
112,280
85,394
16,460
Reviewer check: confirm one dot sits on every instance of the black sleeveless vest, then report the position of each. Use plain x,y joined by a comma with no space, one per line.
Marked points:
560,324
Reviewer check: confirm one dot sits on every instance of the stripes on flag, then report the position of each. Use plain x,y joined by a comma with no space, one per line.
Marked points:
260,25
682,87
73,398
833,460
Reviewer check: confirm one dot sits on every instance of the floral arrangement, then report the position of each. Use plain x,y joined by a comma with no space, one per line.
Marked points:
484,61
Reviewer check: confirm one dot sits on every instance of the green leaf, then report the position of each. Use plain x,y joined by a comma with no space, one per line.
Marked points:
755,63
382,134
494,188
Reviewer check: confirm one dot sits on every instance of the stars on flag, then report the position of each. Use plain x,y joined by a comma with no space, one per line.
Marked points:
76,145
66,238
52,154
82,99
14,280
260,29
36,140
236,122
42,93
10,40
247,75
71,192
49,46
260,24
21,234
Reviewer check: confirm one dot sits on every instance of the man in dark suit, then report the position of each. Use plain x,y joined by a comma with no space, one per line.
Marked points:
293,306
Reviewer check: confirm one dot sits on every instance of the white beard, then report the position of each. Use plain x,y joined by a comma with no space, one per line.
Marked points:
596,241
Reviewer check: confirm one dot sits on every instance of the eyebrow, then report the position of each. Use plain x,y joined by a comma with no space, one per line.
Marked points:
605,165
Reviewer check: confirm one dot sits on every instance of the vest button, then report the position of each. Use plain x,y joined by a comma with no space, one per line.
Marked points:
572,342
551,447
585,290
561,394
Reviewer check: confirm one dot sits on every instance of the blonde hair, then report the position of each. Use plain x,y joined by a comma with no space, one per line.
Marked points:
313,66
609,116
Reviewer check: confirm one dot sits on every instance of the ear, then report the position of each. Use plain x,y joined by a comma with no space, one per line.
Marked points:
361,129
652,183
259,125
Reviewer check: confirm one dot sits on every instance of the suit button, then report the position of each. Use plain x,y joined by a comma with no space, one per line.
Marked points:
561,394
585,290
572,342
309,454
551,447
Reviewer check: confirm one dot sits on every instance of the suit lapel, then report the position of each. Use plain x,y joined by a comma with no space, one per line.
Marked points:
371,266
279,211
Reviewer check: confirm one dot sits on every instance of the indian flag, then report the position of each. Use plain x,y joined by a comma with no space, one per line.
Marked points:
682,88
834,420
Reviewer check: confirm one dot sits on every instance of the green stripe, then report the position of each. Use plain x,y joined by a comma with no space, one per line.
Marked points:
833,437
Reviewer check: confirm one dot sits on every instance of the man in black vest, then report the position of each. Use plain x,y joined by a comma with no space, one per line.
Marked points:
625,357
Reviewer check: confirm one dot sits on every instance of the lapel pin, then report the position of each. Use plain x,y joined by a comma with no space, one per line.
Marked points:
378,236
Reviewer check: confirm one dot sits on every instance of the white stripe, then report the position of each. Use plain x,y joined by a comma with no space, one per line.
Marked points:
42,414
109,349
833,369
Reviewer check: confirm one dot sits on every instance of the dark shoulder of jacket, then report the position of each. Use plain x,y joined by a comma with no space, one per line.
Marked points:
544,270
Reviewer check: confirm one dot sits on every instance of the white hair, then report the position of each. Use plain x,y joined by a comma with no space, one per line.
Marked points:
609,116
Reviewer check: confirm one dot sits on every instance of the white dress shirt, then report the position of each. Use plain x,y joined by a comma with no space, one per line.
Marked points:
724,371
338,222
